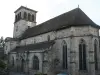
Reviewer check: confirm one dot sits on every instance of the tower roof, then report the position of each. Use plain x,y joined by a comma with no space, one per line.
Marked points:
25,8
75,17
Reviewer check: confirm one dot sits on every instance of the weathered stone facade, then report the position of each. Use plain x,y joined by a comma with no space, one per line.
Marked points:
23,59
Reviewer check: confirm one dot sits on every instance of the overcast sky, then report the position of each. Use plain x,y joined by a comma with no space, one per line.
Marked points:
46,9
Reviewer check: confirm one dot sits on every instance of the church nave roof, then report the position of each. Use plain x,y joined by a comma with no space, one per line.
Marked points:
75,17
32,47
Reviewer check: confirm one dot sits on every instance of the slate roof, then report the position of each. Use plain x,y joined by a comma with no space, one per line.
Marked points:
11,39
32,47
75,17
25,8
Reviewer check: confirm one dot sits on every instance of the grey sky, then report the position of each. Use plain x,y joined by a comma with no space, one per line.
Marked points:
46,9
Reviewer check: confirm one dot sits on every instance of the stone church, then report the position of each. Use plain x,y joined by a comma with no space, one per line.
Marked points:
66,43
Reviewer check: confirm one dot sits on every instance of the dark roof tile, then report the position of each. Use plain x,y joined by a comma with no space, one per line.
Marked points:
37,46
25,8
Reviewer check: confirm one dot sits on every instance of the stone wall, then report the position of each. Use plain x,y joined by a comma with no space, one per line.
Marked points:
37,39
71,36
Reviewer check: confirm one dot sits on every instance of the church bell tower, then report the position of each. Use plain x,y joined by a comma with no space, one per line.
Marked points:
24,18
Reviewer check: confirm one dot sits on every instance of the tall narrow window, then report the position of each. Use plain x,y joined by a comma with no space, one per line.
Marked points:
64,55
82,55
25,15
12,61
32,17
48,37
20,15
22,64
95,54
35,63
16,18
29,17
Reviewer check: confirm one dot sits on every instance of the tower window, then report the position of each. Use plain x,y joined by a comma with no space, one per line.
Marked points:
20,15
32,17
25,15
29,17
16,18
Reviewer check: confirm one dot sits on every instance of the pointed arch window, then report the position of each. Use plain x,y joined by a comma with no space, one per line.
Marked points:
82,55
95,54
64,55
35,63
12,61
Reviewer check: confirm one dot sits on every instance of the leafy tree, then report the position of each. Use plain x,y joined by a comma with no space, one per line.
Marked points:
3,68
2,64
